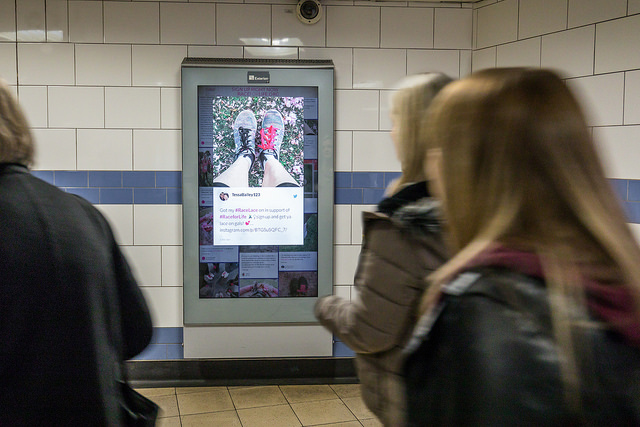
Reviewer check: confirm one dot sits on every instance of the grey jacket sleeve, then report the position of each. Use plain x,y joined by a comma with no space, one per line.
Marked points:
390,278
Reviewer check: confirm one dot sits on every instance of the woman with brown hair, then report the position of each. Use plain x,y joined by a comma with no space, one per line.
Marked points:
535,320
71,310
401,245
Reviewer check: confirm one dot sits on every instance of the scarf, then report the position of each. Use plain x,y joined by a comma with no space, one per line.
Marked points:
612,304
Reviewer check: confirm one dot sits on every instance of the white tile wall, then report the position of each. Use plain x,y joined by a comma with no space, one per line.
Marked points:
289,31
8,20
620,150
453,29
343,149
157,150
632,98
170,108
132,107
374,151
8,63
157,65
497,23
538,17
114,45
579,42
358,109
484,58
30,21
602,98
172,266
612,41
342,61
85,22
524,53
131,22
345,259
103,64
56,21
444,61
145,262
157,224
76,107
185,23
378,68
341,224
353,26
105,149
243,24
33,100
271,52
416,30
55,149
45,64
385,110
120,218
583,12
635,229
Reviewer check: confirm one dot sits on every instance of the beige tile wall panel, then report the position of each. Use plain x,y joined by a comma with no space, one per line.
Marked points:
105,149
171,265
132,107
30,19
157,150
356,109
46,64
497,24
103,64
55,149
601,97
632,97
416,30
524,53
33,100
444,61
351,26
86,24
120,218
584,12
76,107
187,23
157,224
375,152
243,24
453,28
579,41
342,61
537,17
157,65
145,262
378,68
620,150
131,22
618,45
57,21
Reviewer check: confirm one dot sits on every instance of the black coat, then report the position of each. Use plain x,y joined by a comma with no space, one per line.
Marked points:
70,308
488,358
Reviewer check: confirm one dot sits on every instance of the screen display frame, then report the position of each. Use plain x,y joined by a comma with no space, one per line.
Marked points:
219,72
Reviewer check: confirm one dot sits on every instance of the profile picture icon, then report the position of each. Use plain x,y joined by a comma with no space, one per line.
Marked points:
224,196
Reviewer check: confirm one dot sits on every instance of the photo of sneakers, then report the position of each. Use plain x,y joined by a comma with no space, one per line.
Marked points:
244,134
271,135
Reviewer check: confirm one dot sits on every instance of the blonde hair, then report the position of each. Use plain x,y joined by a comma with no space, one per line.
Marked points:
520,169
16,142
408,107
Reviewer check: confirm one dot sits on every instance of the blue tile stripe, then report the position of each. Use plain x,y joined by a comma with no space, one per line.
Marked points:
165,187
119,187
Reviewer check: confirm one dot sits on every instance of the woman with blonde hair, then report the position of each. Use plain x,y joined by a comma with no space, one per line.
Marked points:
535,319
401,245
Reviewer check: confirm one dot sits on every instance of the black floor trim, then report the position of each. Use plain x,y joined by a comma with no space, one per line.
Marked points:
233,372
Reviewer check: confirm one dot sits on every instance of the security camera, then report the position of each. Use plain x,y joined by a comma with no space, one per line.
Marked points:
309,11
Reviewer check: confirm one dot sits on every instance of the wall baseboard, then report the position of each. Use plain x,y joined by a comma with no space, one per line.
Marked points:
241,372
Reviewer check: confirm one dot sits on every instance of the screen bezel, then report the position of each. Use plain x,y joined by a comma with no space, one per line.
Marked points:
198,72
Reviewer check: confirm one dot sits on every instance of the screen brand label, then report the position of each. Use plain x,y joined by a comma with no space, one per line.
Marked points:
258,77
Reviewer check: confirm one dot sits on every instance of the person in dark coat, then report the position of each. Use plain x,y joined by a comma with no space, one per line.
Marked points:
535,320
70,308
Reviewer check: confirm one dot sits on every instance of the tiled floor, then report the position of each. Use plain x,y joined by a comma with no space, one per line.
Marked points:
262,406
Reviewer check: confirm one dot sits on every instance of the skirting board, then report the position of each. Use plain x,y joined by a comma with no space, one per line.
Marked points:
239,372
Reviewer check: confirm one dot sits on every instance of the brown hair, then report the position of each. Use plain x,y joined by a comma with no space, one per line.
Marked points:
16,142
519,168
408,108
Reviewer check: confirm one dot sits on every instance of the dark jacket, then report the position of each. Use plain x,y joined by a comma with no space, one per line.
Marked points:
487,357
70,308
397,254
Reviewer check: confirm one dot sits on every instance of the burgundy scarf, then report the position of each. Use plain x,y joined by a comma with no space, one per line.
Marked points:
613,305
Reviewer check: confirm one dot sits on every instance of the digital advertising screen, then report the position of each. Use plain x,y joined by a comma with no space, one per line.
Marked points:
257,189
257,158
